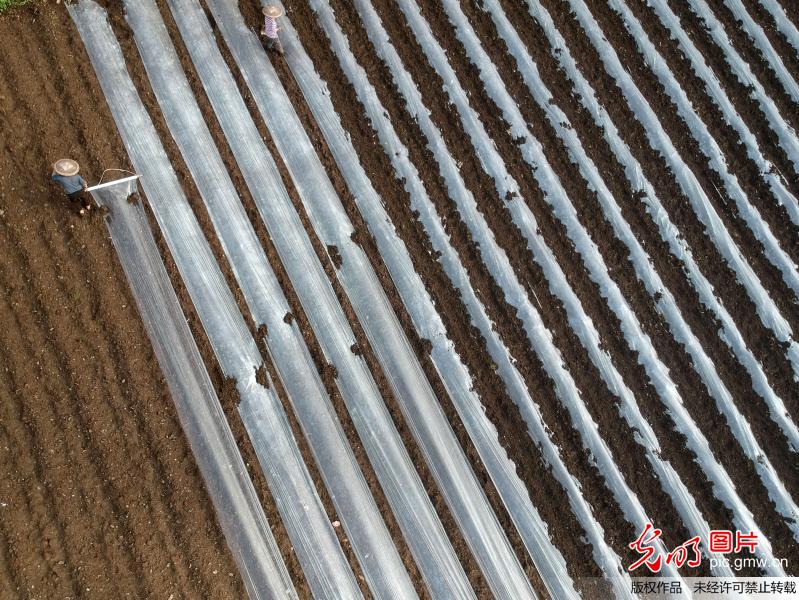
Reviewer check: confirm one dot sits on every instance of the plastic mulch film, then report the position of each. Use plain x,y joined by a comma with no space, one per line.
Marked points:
788,141
738,424
313,537
261,291
238,509
425,535
212,297
784,25
432,431
756,33
703,208
662,297
533,530
636,339
603,555
785,134
497,262
361,519
729,332
717,161
723,486
292,487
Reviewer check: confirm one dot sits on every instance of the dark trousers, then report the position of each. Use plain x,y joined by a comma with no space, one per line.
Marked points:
273,44
82,197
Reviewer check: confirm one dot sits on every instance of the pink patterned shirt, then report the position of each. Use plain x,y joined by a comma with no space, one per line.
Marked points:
270,27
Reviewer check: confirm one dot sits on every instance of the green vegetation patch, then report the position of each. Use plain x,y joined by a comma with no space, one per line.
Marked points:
6,4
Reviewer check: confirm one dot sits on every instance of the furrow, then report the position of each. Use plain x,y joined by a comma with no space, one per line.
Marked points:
500,268
636,339
27,324
429,325
703,208
707,143
260,285
433,433
32,505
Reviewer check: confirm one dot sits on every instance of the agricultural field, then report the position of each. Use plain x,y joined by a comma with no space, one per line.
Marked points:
450,299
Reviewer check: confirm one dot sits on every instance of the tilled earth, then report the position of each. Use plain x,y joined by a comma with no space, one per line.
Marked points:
99,494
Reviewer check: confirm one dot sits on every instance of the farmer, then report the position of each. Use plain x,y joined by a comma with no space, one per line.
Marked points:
271,14
65,173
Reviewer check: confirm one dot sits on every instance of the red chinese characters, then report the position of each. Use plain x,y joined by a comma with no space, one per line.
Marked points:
643,545
745,540
720,541
679,556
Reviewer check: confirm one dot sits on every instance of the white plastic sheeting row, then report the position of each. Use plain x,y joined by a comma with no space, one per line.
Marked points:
708,144
722,484
300,507
447,462
719,96
214,301
549,562
784,25
237,506
378,434
758,36
775,404
767,310
729,332
662,297
636,339
556,197
314,539
785,134
497,262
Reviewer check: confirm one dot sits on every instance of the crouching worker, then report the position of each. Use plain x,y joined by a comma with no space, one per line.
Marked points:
271,14
65,173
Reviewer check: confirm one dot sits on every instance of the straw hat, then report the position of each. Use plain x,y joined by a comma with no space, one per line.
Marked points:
66,167
273,11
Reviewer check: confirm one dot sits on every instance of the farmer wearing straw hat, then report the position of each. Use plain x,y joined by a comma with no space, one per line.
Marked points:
65,173
271,14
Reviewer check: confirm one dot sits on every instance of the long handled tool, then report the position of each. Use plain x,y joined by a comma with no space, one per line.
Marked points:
100,184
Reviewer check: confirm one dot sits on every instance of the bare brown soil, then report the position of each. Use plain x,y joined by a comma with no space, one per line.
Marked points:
99,494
